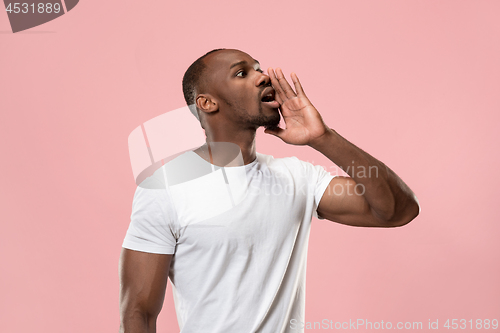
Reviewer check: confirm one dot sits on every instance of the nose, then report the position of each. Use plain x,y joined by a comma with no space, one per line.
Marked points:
263,80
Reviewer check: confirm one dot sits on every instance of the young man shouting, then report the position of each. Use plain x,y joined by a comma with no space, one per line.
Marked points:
241,269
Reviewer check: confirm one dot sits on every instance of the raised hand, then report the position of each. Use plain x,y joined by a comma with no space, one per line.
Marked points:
303,122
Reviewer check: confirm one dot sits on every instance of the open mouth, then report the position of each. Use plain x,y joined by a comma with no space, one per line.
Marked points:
268,97
272,103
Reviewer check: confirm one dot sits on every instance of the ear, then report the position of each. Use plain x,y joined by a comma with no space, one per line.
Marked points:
206,103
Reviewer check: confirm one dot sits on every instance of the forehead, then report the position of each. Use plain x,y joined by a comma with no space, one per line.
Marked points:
221,61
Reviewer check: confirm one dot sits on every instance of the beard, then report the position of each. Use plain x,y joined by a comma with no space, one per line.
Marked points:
267,121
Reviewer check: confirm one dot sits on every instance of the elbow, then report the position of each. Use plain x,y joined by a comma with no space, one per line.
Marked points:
409,213
414,208
135,321
133,317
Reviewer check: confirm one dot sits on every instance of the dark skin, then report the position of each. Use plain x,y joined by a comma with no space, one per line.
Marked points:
230,102
231,111
143,281
386,201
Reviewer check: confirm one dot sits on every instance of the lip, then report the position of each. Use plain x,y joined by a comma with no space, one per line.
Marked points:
266,92
274,104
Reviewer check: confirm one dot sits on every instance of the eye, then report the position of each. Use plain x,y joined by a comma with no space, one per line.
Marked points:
241,72
260,70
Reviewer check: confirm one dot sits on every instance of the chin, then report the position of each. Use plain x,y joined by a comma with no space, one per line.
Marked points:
267,118
271,124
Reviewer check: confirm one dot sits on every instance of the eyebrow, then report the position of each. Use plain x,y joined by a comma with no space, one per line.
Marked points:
242,63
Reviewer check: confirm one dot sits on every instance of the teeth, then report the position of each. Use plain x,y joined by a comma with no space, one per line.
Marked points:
268,98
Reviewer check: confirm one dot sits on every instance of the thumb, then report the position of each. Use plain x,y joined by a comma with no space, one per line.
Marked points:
276,131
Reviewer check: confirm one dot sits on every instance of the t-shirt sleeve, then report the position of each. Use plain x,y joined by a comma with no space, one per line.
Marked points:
323,180
319,179
151,226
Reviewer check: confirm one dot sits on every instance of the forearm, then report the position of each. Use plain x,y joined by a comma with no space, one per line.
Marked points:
388,196
138,323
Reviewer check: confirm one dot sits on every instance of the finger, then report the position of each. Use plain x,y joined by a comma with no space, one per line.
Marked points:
287,89
298,86
279,94
278,98
277,131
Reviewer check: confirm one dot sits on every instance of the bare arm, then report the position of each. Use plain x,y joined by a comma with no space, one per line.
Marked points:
374,196
143,281
378,200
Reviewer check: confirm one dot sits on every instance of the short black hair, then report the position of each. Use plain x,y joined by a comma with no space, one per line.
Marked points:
192,79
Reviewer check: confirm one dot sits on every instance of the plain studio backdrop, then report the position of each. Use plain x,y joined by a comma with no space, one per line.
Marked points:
414,83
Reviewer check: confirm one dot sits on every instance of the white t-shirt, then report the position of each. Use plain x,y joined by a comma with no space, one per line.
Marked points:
241,269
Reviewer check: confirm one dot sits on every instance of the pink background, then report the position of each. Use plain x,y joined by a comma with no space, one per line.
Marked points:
414,83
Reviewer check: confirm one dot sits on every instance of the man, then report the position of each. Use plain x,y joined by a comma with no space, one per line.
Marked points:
243,269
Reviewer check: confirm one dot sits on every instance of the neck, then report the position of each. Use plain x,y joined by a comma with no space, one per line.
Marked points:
244,139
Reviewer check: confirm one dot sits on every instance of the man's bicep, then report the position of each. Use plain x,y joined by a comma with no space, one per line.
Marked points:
143,281
343,202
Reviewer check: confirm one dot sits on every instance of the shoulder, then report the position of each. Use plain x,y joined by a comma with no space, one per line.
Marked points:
291,164
291,160
296,167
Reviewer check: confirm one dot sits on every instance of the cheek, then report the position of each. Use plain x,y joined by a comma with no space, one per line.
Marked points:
241,98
